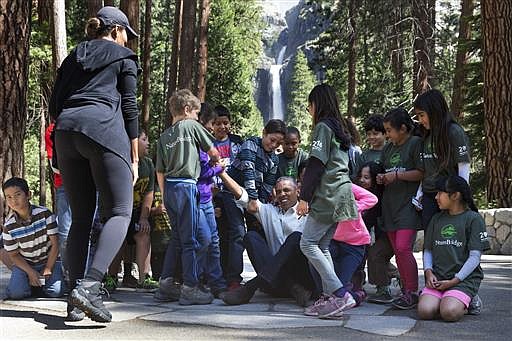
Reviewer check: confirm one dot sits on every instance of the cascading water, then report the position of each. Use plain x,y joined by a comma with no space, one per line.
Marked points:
275,75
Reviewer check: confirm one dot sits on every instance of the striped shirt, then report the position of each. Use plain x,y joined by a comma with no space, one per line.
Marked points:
30,238
255,169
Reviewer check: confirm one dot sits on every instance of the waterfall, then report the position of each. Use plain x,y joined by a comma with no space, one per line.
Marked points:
275,75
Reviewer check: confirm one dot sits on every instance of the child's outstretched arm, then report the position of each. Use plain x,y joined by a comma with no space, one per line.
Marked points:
231,185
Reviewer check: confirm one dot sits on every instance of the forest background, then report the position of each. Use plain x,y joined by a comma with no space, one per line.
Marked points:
378,54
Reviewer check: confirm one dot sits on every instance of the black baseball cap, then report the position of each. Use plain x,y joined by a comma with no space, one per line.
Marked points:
110,16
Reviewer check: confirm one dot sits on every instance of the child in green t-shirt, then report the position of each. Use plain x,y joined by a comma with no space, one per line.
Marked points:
292,158
327,195
177,171
454,242
445,149
403,171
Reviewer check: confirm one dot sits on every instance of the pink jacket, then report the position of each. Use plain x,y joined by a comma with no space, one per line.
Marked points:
354,232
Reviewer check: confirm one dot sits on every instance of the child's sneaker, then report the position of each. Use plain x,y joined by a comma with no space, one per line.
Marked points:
73,313
129,281
87,297
407,301
475,306
147,285
168,291
110,282
313,309
335,306
382,296
194,295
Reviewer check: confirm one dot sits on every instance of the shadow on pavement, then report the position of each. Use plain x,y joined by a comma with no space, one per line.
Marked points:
52,322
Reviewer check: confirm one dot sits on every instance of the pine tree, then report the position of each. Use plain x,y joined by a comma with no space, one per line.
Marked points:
234,46
301,83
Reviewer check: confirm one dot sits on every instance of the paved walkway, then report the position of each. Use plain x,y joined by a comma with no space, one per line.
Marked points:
136,314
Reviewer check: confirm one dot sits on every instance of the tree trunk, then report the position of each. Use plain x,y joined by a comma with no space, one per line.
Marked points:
497,43
397,55
202,65
176,46
60,43
423,12
146,64
14,41
108,2
93,6
458,92
45,13
131,9
188,34
352,56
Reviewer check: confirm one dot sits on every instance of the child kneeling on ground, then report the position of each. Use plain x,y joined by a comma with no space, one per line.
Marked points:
454,242
30,237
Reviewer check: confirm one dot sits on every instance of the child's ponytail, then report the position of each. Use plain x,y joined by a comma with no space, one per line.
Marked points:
456,183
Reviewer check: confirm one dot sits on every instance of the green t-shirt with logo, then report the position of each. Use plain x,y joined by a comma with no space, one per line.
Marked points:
333,200
459,152
145,183
450,238
177,151
397,210
290,166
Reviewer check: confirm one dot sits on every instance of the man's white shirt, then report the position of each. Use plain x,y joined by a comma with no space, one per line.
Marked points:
277,225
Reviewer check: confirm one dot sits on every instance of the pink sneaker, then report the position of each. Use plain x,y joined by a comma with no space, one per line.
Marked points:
312,310
335,306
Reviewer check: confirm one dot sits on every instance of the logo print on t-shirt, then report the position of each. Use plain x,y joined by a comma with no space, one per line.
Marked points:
448,231
395,159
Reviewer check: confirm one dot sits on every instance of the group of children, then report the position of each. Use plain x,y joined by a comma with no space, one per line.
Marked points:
188,228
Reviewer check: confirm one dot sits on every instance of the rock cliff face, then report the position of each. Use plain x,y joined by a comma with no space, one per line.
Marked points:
301,25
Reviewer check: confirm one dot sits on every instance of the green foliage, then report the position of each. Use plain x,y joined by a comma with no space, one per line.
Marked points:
301,83
234,46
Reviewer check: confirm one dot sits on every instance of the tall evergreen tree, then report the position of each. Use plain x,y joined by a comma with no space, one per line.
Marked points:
301,83
234,46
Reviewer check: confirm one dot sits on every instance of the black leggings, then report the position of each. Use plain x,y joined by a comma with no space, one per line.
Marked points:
87,167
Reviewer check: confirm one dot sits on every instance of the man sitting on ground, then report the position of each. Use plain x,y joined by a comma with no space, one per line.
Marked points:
281,267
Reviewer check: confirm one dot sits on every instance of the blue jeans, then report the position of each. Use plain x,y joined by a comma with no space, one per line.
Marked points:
208,258
430,208
314,244
236,232
19,284
63,223
181,200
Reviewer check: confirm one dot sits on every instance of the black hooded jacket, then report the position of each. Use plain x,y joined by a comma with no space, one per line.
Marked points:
95,94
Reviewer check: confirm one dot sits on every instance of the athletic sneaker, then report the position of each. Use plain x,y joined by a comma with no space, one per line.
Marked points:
313,309
129,281
168,291
110,282
87,297
407,301
73,313
475,306
147,285
194,295
382,296
335,306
